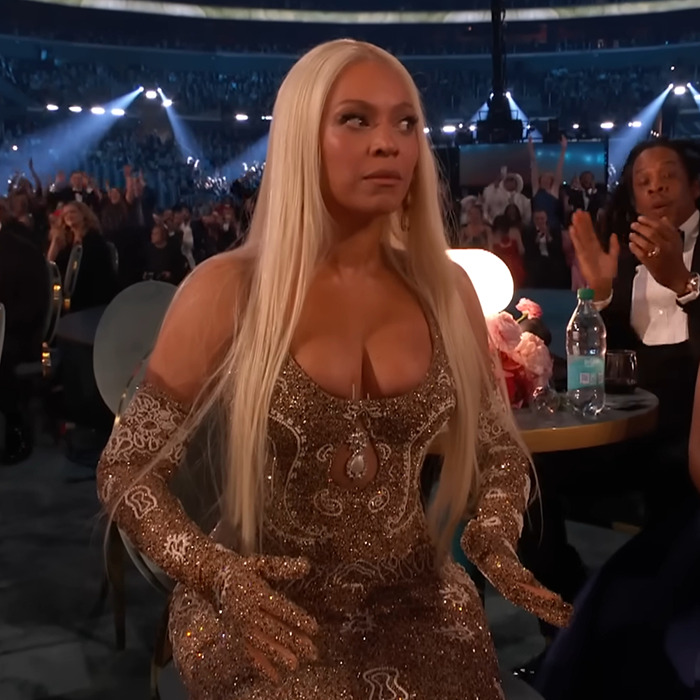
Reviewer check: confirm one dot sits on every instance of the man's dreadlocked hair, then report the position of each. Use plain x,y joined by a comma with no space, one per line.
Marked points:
621,210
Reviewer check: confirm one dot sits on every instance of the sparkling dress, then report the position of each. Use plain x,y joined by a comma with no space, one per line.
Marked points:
393,623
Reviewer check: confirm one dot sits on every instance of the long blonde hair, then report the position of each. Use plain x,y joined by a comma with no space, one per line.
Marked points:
288,238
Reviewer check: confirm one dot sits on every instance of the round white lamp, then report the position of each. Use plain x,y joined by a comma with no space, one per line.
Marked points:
489,275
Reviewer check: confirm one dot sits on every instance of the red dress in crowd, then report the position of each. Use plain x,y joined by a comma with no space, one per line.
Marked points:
507,250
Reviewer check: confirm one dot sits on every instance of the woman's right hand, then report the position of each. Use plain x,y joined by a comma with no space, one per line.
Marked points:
277,634
598,267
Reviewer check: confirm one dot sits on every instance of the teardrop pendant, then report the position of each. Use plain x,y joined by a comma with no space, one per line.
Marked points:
356,466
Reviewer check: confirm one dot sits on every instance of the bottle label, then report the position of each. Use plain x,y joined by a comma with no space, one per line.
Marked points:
585,372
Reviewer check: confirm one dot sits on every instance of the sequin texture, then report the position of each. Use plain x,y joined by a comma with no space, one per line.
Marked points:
358,561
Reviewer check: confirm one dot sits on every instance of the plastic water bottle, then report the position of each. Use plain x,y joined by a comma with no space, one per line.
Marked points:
585,357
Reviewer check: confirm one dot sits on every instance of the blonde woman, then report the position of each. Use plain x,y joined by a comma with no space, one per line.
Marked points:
333,347
77,224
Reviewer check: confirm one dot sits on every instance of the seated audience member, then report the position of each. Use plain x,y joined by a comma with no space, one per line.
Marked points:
508,245
164,261
476,233
24,290
76,224
545,259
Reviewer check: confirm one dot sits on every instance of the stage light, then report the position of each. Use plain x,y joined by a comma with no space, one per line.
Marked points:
607,126
151,94
679,90
52,108
673,68
508,95
426,130
267,118
449,129
75,109
98,110
472,127
636,124
167,103
575,127
241,117
118,112
15,148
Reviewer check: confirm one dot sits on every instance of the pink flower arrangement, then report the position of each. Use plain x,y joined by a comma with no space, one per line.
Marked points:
524,356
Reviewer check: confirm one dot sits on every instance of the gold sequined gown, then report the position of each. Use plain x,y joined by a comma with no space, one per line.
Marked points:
393,625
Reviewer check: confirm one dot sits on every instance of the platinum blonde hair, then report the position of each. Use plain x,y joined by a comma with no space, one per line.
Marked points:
290,234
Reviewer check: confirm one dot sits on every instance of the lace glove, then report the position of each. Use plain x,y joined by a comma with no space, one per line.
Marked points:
490,539
155,521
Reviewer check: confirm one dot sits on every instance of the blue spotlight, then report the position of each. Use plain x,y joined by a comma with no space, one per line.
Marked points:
190,150
637,129
257,153
65,145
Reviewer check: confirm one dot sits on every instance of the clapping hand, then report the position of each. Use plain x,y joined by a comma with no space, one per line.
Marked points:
659,247
598,267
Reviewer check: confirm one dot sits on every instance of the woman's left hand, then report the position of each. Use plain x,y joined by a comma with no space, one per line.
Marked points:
658,245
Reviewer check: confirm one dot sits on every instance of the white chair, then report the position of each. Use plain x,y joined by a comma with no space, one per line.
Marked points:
54,307
76,256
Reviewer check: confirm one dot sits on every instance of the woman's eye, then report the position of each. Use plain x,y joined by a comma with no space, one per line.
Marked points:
353,120
408,123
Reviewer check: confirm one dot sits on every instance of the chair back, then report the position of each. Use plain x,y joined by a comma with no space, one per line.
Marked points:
557,307
76,256
2,328
114,255
53,312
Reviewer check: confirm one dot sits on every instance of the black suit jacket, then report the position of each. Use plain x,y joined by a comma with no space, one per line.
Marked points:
24,291
97,282
596,202
669,371
621,335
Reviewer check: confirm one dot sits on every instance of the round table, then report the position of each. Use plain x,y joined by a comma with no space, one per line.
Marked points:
625,417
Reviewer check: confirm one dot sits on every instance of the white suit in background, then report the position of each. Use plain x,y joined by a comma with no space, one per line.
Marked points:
497,196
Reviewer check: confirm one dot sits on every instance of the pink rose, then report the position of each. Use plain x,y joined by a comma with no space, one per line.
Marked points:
504,331
533,355
529,308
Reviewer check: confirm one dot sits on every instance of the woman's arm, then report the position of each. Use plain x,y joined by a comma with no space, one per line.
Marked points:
491,537
145,450
534,170
559,173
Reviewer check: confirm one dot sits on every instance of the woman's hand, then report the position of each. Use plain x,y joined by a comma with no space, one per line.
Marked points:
659,247
58,240
598,267
277,634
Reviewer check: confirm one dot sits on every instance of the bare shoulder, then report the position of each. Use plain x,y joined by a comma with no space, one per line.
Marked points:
199,325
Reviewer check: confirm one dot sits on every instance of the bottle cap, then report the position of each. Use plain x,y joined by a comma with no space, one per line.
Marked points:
586,294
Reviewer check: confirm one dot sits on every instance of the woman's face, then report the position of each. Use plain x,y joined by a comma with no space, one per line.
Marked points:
661,186
513,213
369,142
475,216
115,195
72,217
